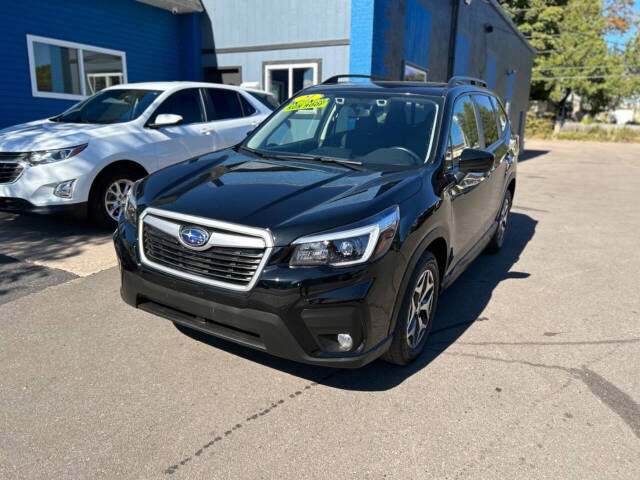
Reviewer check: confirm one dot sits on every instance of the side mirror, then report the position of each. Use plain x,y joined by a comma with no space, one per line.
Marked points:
474,160
166,120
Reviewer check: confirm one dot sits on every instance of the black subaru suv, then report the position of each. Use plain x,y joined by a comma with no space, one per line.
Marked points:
327,235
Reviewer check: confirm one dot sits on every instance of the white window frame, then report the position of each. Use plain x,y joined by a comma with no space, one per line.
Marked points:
79,47
289,66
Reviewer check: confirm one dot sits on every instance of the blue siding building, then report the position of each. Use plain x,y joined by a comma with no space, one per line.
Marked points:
132,40
277,45
285,45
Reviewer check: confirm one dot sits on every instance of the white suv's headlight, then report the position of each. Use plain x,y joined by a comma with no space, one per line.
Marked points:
347,247
50,156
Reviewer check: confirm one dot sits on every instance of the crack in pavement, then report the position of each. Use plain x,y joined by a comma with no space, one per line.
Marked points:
618,401
227,433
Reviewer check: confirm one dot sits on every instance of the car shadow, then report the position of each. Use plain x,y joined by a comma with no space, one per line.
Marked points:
531,154
459,307
48,237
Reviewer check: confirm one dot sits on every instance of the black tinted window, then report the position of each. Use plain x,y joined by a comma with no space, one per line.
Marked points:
247,108
488,119
185,103
464,130
223,104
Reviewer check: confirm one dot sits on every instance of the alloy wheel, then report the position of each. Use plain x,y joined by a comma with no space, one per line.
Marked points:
115,196
420,308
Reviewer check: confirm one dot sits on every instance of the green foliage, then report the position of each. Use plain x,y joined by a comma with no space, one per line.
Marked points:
599,134
573,54
539,127
542,128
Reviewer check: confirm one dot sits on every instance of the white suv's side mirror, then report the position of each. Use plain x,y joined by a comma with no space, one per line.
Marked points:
166,120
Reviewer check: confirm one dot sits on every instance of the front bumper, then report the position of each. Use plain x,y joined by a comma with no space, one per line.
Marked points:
19,205
36,185
290,313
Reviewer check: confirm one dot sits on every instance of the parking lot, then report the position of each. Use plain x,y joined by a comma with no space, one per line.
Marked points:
531,370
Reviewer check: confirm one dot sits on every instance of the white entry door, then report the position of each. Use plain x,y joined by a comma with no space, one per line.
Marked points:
286,79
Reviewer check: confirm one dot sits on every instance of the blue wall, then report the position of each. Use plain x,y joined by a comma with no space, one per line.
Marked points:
152,39
417,32
243,23
362,14
463,46
491,71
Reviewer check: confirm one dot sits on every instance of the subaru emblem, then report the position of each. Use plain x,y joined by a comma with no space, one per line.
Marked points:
194,237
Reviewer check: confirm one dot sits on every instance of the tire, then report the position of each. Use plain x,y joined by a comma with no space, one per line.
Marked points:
423,290
100,205
497,240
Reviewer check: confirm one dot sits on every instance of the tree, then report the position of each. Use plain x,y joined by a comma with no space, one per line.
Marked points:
572,52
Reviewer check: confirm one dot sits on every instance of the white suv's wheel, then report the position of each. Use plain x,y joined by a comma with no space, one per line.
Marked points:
109,193
115,196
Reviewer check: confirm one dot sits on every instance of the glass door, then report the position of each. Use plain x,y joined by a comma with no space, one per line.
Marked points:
287,79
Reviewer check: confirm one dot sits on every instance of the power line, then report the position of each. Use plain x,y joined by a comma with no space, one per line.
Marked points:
585,67
621,75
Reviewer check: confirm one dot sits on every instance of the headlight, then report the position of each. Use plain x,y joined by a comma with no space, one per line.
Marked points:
50,156
347,247
131,204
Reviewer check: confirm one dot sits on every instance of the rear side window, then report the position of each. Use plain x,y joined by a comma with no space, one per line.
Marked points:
186,103
223,104
464,130
488,119
247,108
502,116
268,101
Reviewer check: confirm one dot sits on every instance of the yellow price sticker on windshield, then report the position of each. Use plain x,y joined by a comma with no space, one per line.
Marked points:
307,102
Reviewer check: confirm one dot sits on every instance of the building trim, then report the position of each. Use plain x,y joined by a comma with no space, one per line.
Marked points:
278,46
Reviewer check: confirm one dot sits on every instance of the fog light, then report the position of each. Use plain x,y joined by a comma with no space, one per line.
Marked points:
64,189
345,341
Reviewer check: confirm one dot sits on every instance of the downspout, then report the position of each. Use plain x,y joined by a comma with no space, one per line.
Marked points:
453,36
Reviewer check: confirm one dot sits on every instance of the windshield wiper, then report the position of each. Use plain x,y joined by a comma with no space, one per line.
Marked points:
250,150
352,164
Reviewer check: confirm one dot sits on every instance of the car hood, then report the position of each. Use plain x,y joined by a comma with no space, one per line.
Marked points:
290,198
45,135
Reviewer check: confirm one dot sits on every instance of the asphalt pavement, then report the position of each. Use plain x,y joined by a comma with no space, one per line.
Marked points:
532,370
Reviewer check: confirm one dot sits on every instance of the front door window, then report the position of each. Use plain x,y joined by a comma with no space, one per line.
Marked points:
285,80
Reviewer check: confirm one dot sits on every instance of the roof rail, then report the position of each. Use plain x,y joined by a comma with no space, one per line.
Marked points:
459,80
335,78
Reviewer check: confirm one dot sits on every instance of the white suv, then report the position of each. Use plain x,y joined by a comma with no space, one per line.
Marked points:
88,156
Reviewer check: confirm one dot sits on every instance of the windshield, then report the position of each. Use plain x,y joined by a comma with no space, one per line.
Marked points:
369,127
110,106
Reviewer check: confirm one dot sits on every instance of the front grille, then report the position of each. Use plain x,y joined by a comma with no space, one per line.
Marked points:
230,265
11,166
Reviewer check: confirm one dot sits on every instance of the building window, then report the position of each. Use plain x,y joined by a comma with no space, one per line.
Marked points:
284,80
72,71
414,74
